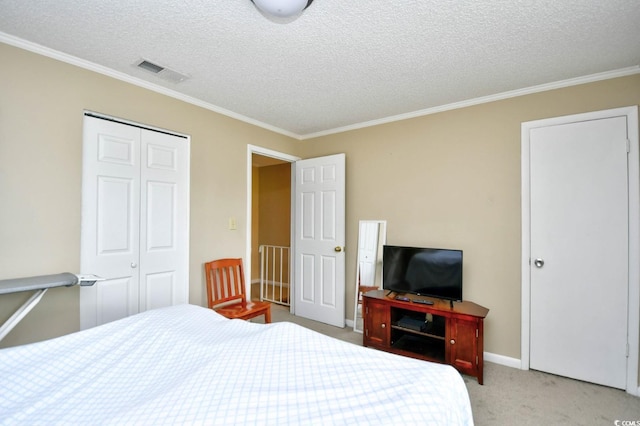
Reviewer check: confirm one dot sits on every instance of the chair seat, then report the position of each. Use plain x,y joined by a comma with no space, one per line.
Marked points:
246,310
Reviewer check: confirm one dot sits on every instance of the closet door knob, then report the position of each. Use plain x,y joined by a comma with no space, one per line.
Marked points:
134,265
453,342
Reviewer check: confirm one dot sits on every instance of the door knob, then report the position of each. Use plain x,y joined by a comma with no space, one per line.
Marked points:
539,263
338,249
134,265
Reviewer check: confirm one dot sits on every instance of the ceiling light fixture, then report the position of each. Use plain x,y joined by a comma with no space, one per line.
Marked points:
282,8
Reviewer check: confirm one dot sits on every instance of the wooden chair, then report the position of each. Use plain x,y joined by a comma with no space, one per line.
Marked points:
362,289
226,291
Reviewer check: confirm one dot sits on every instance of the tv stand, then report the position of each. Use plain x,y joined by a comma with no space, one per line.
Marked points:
441,332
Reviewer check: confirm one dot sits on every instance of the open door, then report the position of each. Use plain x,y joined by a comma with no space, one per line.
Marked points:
319,238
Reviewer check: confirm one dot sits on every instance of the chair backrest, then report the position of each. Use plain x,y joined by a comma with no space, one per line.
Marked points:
225,281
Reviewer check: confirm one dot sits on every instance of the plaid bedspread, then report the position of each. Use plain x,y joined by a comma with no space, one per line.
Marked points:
188,365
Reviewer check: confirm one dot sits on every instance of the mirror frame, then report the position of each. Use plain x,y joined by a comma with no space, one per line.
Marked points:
381,239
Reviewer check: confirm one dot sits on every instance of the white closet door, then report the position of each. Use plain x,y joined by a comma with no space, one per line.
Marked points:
110,220
134,220
579,249
164,215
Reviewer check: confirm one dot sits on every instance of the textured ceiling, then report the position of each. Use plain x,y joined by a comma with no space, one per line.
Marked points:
341,64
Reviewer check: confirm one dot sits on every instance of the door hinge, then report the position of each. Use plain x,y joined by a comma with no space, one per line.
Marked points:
628,146
476,360
366,332
477,333
627,355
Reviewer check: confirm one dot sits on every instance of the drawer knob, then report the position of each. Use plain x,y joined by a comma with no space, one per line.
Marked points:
383,325
453,342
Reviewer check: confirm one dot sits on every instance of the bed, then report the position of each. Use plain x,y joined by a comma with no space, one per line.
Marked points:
188,365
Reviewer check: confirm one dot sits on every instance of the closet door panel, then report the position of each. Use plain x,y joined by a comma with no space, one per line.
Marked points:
110,221
164,220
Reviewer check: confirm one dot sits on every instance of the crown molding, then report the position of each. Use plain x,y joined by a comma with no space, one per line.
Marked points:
63,57
623,72
91,66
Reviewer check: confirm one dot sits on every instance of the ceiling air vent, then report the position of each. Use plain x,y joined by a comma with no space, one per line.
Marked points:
162,72
149,66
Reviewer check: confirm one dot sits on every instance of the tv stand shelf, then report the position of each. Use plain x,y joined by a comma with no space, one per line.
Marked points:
417,333
437,332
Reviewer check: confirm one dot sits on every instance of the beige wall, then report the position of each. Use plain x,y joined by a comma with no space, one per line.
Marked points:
41,107
452,180
271,210
275,205
274,217
448,180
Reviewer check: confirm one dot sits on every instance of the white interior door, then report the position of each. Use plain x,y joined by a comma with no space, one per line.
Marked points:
319,237
579,250
134,220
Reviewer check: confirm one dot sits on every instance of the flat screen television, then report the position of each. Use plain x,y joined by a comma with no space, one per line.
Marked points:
423,271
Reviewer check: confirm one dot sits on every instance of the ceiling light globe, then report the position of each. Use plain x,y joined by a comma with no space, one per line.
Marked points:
282,8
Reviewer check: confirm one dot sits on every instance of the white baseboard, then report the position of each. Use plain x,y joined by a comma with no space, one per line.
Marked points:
516,363
503,360
349,323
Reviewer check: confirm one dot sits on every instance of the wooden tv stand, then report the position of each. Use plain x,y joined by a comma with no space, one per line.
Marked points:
435,332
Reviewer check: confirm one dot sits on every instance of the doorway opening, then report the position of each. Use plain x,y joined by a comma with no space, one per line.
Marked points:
269,225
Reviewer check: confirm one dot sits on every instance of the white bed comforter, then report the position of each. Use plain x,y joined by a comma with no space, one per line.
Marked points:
189,365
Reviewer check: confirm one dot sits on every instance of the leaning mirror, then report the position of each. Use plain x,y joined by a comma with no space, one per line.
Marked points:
371,238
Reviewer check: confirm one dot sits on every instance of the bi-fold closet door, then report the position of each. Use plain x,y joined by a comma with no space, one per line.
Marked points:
135,213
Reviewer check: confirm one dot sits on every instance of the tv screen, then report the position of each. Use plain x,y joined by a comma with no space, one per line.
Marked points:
423,271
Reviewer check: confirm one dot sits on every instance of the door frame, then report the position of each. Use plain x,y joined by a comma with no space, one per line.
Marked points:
254,149
633,319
